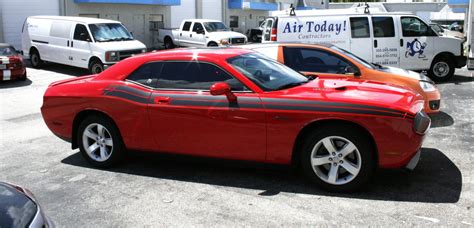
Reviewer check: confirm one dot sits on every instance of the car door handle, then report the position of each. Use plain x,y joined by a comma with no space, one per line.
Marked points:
68,43
375,43
162,100
181,34
190,35
401,42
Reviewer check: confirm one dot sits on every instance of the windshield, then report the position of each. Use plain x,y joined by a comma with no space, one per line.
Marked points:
266,73
354,57
215,26
7,51
109,32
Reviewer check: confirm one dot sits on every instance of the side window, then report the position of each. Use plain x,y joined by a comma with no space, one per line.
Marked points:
81,33
195,76
383,27
412,26
147,74
186,26
197,27
314,60
360,27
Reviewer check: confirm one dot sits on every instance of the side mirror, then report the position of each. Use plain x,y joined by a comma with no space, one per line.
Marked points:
350,70
222,88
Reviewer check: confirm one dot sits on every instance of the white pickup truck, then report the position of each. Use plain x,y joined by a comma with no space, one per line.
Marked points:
200,33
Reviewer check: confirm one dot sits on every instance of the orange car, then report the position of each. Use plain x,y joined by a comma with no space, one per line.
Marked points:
329,61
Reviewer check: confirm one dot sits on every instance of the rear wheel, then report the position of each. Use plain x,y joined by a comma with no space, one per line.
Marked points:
338,159
212,44
442,69
96,66
22,78
168,43
35,59
100,142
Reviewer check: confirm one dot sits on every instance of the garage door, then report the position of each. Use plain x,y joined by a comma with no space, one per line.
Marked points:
212,9
14,13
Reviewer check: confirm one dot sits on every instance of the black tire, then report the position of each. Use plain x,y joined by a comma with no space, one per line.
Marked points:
22,78
96,66
362,143
117,151
169,43
254,38
212,44
442,69
35,59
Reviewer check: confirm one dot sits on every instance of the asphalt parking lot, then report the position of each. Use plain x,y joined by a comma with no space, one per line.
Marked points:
160,191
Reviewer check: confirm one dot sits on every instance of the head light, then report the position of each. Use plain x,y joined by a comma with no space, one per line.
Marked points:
427,86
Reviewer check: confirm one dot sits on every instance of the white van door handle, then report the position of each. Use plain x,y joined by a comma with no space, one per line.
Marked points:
72,44
401,42
68,43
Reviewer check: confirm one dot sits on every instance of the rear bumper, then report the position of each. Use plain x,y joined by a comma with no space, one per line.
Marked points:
460,61
6,75
421,123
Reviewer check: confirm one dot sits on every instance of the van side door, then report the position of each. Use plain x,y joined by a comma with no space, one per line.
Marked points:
416,43
361,39
385,45
80,49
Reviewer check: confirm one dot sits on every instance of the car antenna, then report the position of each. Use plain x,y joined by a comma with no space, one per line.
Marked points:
292,10
366,10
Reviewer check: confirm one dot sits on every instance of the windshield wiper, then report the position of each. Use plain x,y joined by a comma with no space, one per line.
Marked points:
293,84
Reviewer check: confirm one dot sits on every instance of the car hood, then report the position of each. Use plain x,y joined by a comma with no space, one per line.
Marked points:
357,93
227,34
405,73
120,45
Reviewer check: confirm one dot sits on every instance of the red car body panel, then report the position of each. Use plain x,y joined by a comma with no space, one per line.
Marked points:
14,67
262,126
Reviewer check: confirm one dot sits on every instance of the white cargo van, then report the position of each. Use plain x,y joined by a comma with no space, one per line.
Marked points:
392,39
89,43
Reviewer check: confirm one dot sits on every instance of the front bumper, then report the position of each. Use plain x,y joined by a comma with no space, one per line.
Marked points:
460,61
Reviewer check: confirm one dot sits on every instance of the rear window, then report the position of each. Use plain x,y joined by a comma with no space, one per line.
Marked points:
16,210
7,51
360,27
186,26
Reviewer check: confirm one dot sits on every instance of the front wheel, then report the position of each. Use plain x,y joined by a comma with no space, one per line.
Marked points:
442,69
100,142
339,159
96,67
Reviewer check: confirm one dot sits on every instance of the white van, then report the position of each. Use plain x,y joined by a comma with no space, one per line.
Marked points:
392,39
89,43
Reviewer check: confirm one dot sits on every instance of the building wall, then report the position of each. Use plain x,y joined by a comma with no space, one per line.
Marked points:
247,19
135,17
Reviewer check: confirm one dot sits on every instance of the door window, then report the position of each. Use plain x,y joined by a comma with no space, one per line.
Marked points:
146,74
412,27
360,27
197,27
186,26
314,60
81,33
383,27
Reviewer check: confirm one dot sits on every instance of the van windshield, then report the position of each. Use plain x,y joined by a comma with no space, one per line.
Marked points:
109,32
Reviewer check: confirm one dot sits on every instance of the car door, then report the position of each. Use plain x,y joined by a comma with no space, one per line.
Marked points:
416,43
80,50
197,35
184,34
361,40
316,61
386,48
187,119
267,30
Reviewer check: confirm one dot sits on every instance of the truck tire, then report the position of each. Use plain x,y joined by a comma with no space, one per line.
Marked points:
168,43
35,59
442,69
212,44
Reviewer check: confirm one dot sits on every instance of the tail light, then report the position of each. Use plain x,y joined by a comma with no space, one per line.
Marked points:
273,36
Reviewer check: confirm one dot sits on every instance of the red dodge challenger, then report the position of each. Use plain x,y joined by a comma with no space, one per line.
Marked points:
11,64
237,104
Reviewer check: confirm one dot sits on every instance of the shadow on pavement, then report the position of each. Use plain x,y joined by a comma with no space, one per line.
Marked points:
441,119
458,79
62,69
435,180
15,83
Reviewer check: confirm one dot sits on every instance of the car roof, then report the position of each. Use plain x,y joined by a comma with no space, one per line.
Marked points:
85,20
277,44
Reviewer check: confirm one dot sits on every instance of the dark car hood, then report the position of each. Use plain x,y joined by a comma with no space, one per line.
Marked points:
357,92
16,209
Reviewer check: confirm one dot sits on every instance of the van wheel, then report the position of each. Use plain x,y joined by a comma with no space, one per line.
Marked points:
338,158
96,66
442,69
35,59
212,44
168,43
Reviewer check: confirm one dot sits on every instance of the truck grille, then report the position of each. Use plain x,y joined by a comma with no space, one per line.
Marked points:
237,40
125,54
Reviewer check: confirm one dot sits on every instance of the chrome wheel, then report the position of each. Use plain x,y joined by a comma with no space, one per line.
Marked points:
336,160
441,69
97,142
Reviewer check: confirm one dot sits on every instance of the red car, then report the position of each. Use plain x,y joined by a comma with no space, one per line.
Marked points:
11,64
237,104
